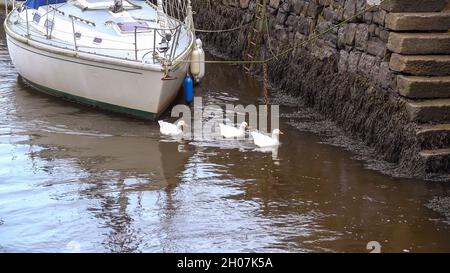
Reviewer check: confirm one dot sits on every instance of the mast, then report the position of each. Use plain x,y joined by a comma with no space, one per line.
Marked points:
190,19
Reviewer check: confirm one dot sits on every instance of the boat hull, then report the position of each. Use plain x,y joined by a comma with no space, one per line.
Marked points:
118,88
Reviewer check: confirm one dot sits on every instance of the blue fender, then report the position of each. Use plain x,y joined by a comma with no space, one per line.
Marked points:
188,87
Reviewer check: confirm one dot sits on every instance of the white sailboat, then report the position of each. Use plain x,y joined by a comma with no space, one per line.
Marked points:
128,56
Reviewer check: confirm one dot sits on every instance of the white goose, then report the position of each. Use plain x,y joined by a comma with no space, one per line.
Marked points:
228,131
170,129
262,140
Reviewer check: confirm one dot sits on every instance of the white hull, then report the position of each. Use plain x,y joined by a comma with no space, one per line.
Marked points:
98,56
116,87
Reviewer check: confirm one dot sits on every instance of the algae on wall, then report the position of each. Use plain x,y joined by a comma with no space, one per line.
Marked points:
343,74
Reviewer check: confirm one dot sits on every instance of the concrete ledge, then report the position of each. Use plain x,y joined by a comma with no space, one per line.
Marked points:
419,43
436,136
433,128
428,21
437,110
423,87
430,153
414,5
436,160
421,65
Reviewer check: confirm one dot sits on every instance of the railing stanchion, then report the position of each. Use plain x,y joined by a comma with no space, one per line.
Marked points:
173,42
26,18
154,45
6,7
178,33
73,33
135,43
47,23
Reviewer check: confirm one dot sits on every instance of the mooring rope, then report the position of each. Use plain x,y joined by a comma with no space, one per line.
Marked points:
224,30
266,84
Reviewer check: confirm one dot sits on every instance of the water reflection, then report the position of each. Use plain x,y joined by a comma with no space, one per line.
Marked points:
271,150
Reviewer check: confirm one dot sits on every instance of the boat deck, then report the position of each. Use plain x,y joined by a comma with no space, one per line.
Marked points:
100,31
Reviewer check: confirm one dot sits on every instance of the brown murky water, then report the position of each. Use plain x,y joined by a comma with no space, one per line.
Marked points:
77,179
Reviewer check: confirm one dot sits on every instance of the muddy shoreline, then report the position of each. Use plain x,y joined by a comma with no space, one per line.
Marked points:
365,114
394,155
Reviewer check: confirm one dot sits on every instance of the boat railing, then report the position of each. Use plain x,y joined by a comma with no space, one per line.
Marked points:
165,41
160,52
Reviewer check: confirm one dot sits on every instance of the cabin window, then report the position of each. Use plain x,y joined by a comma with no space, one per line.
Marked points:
36,18
78,35
49,24
97,40
128,27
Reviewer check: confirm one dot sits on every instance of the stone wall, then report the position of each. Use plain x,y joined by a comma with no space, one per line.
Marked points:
370,73
359,45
